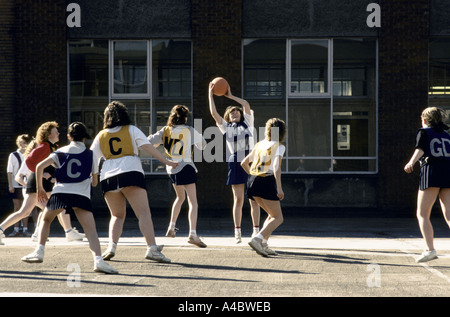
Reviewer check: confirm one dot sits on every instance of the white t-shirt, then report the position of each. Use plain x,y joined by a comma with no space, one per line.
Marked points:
178,142
14,166
235,135
264,155
82,188
113,167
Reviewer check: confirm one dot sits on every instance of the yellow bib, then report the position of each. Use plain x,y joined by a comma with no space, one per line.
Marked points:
176,144
116,145
262,160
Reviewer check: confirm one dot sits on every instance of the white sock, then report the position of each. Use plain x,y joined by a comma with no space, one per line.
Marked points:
40,247
112,246
259,236
172,225
193,233
97,258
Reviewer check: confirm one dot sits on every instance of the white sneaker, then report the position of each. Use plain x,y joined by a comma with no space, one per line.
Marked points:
427,256
256,245
154,254
108,254
2,235
268,250
103,267
36,256
237,237
74,235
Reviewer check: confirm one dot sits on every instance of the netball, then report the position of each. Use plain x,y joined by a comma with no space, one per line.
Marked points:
220,86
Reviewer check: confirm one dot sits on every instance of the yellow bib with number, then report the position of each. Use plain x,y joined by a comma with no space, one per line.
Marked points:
117,144
262,161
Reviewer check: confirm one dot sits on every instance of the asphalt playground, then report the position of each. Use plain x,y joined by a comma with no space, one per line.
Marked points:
317,257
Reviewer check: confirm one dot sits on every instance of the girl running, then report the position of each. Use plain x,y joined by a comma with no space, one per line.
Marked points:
46,138
264,183
433,152
72,192
178,140
122,176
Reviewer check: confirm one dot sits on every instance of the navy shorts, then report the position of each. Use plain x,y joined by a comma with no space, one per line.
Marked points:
435,173
236,174
123,180
186,176
263,187
17,193
68,202
31,184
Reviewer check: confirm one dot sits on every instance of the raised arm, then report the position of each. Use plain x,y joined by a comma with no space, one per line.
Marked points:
244,103
212,106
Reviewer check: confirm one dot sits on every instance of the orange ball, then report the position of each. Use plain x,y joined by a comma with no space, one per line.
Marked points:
220,86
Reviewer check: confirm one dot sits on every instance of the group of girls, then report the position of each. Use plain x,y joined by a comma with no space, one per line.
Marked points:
62,178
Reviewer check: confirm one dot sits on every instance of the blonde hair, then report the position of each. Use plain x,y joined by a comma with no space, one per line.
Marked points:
42,135
434,117
278,126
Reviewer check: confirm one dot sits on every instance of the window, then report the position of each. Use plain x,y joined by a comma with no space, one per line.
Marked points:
149,77
326,92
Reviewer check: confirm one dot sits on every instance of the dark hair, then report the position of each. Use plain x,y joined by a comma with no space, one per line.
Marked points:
229,110
116,114
78,131
178,115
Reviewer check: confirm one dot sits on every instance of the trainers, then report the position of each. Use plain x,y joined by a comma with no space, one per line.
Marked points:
195,240
256,245
14,234
103,267
26,234
237,237
108,255
268,250
427,256
171,233
74,235
154,254
36,256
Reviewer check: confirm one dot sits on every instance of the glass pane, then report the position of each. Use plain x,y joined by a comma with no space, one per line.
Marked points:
130,67
354,128
439,67
88,68
309,67
354,67
309,165
309,127
354,105
171,61
88,75
264,68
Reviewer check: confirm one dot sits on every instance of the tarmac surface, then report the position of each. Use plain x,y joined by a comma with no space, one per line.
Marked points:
317,257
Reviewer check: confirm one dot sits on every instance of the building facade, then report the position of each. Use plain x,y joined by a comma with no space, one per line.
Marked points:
350,78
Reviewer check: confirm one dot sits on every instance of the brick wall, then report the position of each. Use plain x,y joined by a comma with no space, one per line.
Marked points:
33,87
216,40
403,94
7,85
